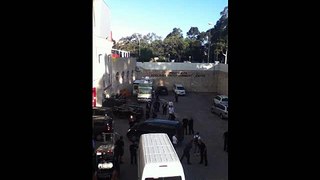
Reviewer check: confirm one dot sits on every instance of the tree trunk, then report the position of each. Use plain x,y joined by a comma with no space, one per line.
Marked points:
225,56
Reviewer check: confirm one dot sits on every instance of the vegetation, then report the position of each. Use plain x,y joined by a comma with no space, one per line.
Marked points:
174,46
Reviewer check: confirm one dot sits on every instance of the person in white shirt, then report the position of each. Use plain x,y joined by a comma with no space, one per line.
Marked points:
174,141
171,111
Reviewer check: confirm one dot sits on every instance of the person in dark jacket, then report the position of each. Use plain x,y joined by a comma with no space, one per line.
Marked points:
186,152
164,108
203,152
185,125
225,146
133,152
190,124
176,96
119,147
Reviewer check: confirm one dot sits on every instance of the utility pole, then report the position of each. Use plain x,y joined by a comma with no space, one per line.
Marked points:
209,42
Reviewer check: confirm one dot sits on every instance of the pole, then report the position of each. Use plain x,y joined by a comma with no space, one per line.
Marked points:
208,48
139,47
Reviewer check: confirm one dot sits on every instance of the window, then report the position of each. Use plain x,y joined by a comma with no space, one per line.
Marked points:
117,76
99,58
128,75
218,98
122,76
220,106
225,99
132,73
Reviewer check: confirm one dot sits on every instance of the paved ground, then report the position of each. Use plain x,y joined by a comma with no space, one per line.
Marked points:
211,129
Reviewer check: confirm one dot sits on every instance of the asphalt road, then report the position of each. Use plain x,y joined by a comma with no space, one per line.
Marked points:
211,129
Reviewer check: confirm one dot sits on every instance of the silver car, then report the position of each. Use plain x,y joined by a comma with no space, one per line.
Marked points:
220,99
220,109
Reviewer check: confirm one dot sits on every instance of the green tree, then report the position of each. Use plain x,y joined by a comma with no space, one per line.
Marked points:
145,54
193,33
219,36
174,44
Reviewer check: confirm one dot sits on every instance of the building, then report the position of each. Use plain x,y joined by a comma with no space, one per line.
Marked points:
113,70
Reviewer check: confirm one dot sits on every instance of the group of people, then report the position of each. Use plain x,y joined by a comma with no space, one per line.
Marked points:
118,155
153,107
188,124
199,148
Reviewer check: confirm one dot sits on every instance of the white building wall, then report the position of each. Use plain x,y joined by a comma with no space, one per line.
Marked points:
101,46
119,65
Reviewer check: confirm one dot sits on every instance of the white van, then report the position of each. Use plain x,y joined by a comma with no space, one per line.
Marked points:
179,89
157,158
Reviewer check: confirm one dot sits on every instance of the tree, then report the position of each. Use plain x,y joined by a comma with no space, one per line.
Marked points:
146,54
193,33
176,32
219,35
174,44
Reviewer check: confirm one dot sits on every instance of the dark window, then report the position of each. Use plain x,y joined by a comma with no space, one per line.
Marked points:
122,76
128,75
220,106
218,98
225,99
117,76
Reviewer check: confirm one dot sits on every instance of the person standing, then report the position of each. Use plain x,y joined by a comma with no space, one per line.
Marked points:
196,139
186,151
147,113
176,96
190,125
203,152
133,152
120,149
171,112
185,125
164,108
225,146
174,141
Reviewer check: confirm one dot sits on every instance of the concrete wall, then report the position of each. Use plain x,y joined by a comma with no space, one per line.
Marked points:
175,66
196,77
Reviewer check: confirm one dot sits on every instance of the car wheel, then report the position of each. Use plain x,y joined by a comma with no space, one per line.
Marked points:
221,116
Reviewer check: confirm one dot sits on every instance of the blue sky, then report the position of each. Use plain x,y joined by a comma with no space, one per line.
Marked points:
161,16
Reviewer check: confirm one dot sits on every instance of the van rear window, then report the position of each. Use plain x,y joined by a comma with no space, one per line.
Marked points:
165,178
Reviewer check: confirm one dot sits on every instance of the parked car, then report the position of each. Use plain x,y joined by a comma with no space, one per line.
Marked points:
126,110
156,126
220,99
102,111
102,124
105,157
220,109
162,90
179,89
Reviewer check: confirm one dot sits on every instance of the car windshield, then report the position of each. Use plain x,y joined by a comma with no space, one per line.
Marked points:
225,99
145,90
180,88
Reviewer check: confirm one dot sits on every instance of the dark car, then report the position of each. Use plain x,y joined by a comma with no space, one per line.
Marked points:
113,101
101,124
156,126
105,157
126,110
102,111
162,90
